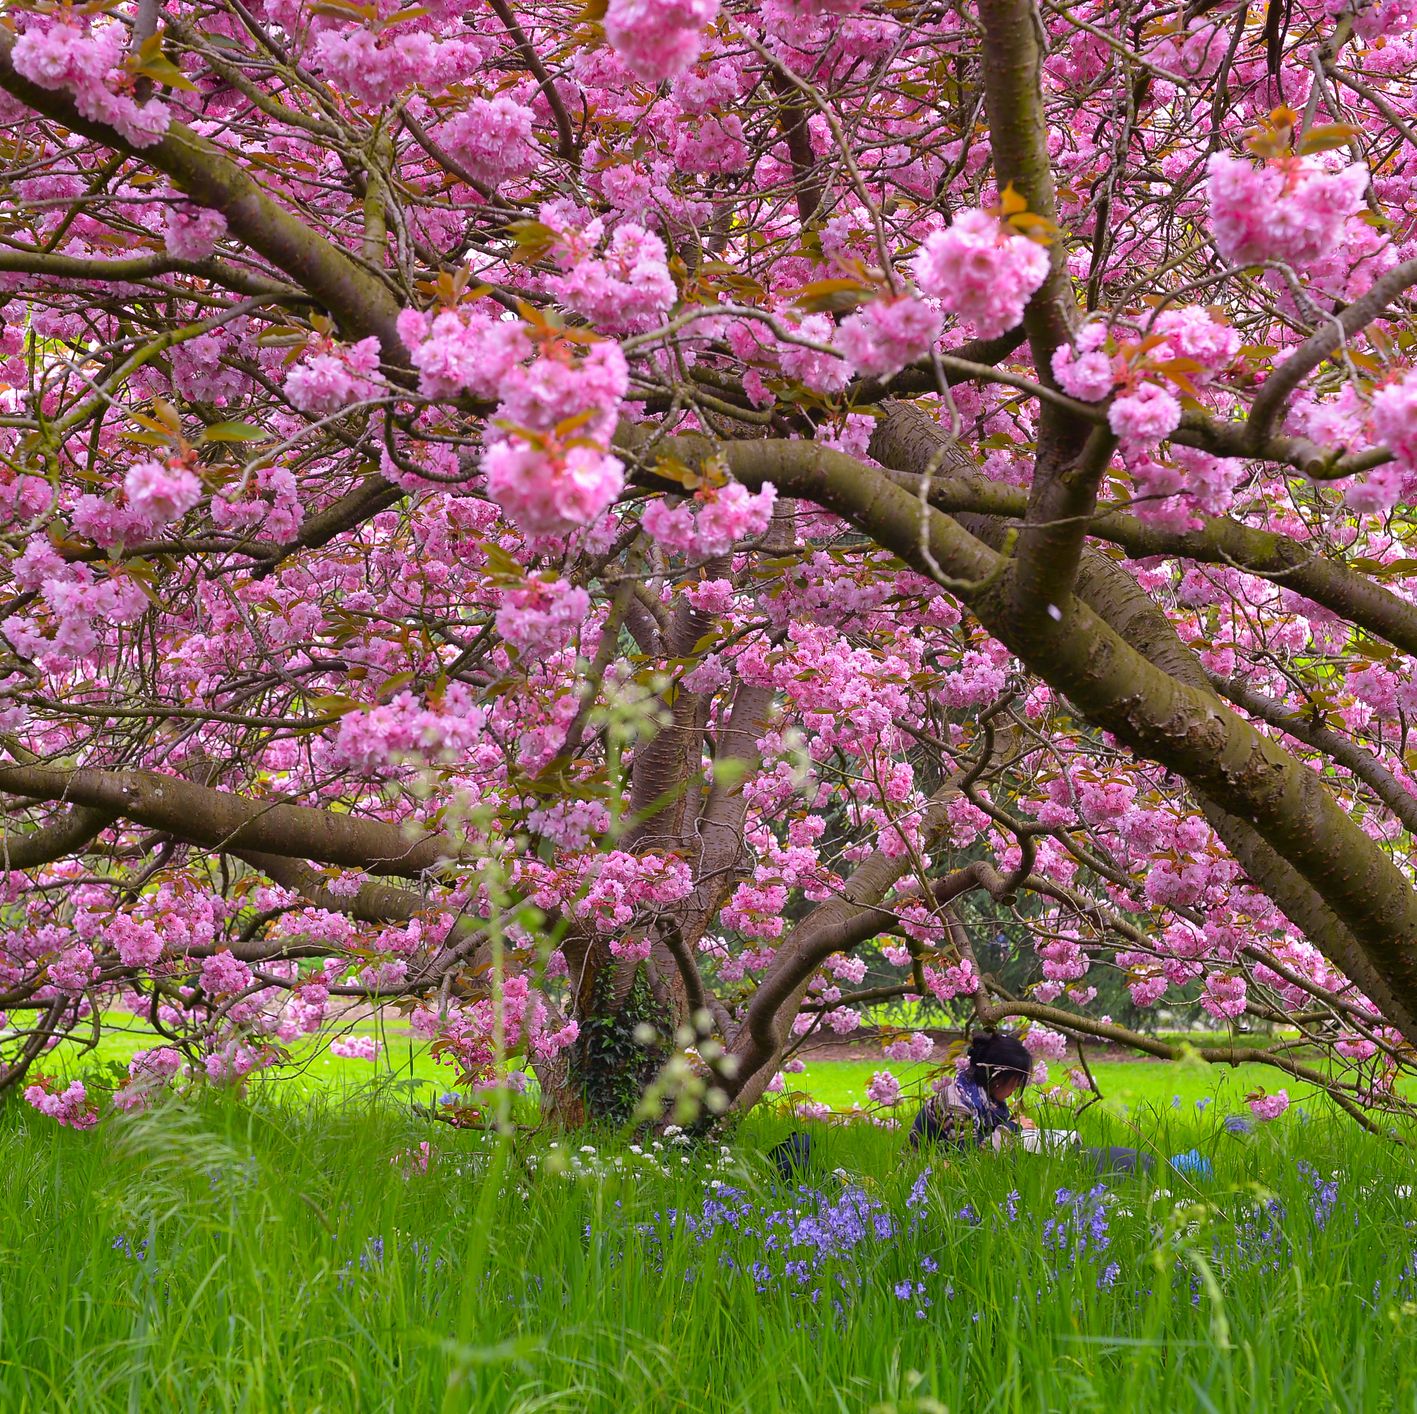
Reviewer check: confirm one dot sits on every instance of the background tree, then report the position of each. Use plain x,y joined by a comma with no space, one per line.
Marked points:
559,518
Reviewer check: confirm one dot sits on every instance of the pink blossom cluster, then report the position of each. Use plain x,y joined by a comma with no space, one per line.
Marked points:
625,290
224,974
1046,1044
468,1033
160,492
70,1106
148,1072
376,68
715,520
712,145
956,980
77,607
1377,19
232,1062
1176,492
331,376
551,489
883,1088
1224,994
1289,209
381,738
463,350
155,494
415,1161
981,271
885,335
1195,334
917,1047
545,462
1085,369
606,889
818,370
1088,370
198,369
1394,421
1267,1107
803,353
86,64
492,138
191,232
1144,416
542,616
355,1047
657,39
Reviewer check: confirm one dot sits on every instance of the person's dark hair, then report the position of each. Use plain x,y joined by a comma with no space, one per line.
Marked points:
994,1055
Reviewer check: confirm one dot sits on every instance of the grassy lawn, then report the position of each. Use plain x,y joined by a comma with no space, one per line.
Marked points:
1128,1087
287,1254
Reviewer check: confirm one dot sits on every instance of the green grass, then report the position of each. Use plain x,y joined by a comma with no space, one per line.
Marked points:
269,1256
841,1084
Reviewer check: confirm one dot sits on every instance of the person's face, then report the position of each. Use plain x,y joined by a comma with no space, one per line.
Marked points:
1006,1085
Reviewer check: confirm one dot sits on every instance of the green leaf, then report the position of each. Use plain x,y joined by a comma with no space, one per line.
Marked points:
835,295
334,704
233,432
1323,137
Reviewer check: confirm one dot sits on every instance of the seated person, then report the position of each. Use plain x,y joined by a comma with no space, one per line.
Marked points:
972,1108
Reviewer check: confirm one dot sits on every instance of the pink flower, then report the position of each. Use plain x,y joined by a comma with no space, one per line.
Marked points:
554,389
918,1047
410,1162
1046,1044
882,337
657,39
191,232
1144,417
542,616
1385,17
138,942
981,271
713,144
725,516
1289,209
148,1072
223,972
1193,333
492,138
376,68
334,377
463,351
1394,419
626,290
884,1088
70,1106
550,491
159,492
371,742
62,56
822,372
1267,1107
1224,995
1087,373
355,1048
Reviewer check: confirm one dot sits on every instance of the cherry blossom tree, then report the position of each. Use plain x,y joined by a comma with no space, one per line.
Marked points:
583,525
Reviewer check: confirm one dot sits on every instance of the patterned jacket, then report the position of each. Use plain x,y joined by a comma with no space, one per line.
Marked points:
962,1114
